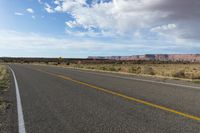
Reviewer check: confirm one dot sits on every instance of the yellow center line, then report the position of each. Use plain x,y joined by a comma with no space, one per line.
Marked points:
125,96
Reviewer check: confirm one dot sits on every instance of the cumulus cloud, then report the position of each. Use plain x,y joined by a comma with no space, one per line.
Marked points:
18,14
30,10
127,17
118,16
48,8
71,24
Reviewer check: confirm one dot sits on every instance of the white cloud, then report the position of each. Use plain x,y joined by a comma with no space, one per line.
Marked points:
30,10
18,14
40,1
38,44
57,2
48,8
126,17
164,28
71,24
137,34
18,40
119,17
33,17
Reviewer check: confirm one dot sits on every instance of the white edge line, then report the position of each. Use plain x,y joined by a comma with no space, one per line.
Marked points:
136,79
21,124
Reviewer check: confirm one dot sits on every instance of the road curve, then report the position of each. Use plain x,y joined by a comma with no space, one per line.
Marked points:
58,100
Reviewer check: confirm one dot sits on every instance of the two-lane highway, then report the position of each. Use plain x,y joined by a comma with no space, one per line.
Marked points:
57,100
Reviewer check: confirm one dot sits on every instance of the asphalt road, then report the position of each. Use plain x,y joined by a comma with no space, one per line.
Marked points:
58,100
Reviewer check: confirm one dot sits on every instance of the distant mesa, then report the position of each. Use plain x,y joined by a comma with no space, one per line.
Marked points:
156,57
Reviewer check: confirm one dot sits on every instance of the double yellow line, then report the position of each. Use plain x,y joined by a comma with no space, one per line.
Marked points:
124,96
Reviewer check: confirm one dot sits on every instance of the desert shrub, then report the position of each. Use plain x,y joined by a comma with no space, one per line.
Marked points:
68,63
135,70
3,73
102,68
195,76
139,69
4,76
80,66
112,68
55,63
148,70
194,69
179,74
132,70
119,69
90,67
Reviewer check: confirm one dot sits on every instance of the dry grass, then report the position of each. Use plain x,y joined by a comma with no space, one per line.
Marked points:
185,71
4,76
4,82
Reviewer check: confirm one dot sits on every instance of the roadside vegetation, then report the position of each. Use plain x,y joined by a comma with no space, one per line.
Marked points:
166,69
184,71
4,99
4,84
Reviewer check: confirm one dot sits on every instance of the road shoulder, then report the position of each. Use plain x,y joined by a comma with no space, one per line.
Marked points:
8,117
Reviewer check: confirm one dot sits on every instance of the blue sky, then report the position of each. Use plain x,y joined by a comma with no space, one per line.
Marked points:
81,28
